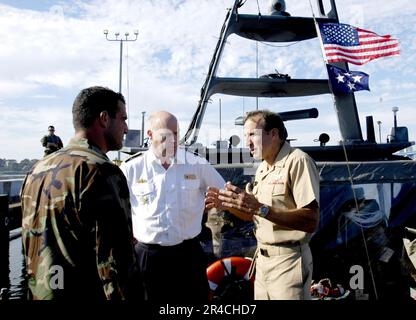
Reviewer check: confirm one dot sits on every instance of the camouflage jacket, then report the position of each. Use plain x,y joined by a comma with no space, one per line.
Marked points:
76,226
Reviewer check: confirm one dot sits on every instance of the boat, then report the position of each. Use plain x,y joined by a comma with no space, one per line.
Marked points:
356,170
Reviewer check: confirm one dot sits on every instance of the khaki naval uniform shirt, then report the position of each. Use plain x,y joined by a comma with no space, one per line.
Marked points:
291,182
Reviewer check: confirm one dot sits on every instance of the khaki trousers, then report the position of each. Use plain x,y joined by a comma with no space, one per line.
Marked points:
283,272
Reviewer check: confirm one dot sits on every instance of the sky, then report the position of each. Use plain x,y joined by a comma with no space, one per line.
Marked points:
50,50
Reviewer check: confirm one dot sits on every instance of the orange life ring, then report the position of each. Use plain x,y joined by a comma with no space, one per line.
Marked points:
232,266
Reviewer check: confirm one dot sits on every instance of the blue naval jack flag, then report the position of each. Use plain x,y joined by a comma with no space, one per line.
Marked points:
343,81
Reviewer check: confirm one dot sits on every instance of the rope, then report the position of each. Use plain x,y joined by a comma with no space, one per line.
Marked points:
355,197
365,219
211,73
276,46
346,158
128,85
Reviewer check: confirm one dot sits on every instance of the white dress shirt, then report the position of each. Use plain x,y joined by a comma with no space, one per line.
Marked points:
167,205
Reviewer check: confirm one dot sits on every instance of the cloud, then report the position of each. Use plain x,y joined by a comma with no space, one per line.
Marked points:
45,96
48,56
25,126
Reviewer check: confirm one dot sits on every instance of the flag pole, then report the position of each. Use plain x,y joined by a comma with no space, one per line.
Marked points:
357,207
321,44
318,33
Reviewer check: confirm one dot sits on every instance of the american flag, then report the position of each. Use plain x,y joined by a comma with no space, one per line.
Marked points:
343,42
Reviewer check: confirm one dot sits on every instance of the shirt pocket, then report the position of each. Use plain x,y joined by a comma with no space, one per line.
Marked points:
190,191
145,193
279,189
278,195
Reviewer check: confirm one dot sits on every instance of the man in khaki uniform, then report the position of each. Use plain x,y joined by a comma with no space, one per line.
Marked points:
283,202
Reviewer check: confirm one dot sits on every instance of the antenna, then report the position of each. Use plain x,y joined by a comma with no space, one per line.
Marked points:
395,110
379,129
257,71
220,119
394,129
142,142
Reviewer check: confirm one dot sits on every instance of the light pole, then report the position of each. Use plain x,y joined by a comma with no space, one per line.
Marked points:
394,109
121,40
257,71
379,130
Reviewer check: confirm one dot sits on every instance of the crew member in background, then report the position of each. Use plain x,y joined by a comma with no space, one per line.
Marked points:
51,142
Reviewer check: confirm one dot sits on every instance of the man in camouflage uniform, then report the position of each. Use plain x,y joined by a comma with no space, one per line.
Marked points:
76,227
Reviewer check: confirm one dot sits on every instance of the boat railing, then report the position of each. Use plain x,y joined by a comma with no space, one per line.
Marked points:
11,185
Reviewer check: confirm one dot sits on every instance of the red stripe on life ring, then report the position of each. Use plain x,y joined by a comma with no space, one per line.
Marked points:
220,269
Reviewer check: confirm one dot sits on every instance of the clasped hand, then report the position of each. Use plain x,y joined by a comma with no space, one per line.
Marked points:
239,202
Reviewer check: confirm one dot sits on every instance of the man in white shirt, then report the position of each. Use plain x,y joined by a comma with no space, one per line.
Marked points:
167,193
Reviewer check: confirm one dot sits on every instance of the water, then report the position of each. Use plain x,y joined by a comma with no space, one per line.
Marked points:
17,271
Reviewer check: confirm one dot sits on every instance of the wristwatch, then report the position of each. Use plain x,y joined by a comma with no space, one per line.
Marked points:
263,211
